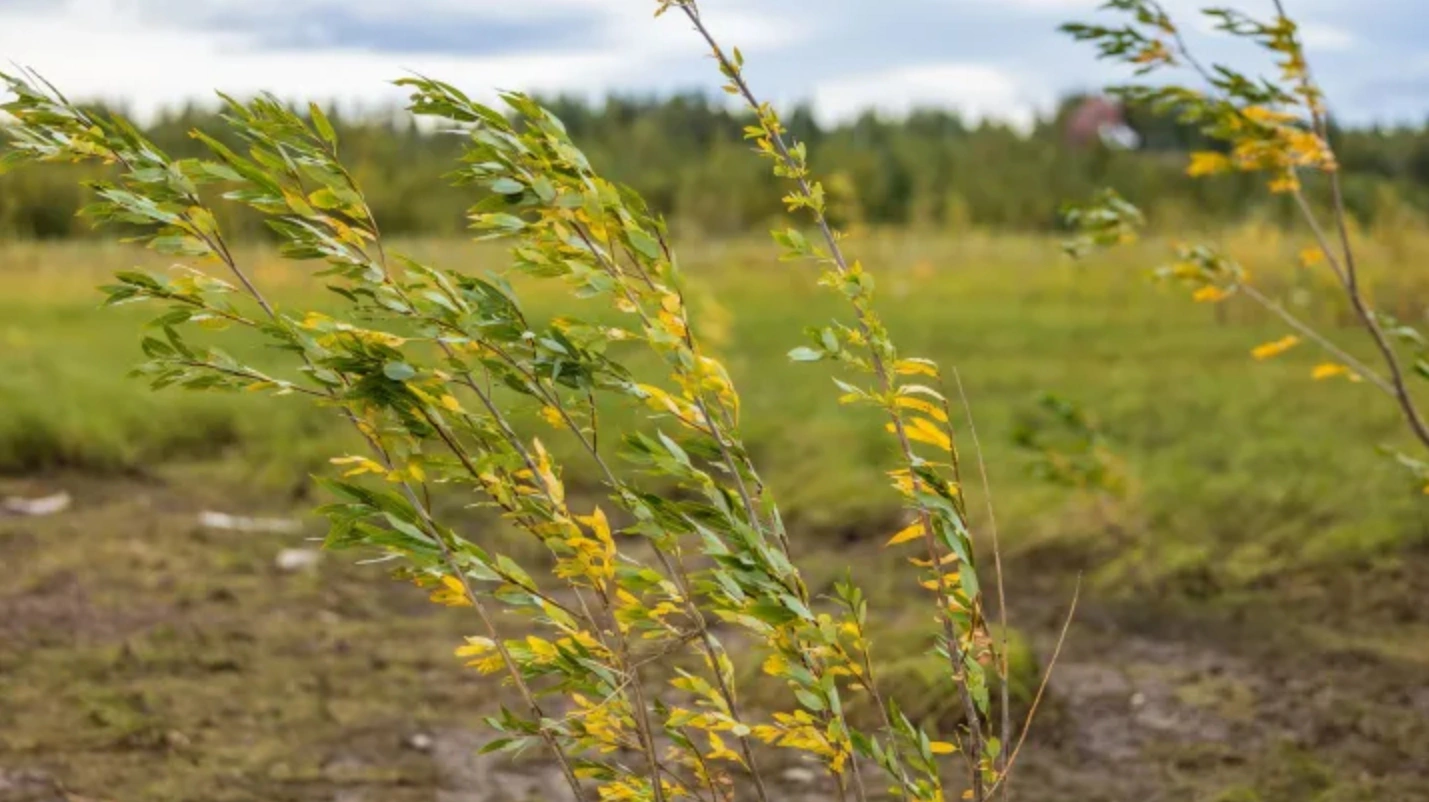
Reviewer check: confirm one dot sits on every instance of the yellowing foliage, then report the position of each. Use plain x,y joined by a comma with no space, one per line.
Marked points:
1275,348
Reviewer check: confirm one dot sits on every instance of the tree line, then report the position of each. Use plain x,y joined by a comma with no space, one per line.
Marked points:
688,156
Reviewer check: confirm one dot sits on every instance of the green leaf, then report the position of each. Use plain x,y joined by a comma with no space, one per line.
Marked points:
798,607
507,186
321,123
674,449
643,243
325,199
398,371
407,529
771,613
501,745
805,354
968,578
810,701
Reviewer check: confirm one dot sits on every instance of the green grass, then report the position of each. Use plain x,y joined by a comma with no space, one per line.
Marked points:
1240,471
155,659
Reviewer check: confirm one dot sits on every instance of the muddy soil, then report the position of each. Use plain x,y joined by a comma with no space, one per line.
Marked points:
144,656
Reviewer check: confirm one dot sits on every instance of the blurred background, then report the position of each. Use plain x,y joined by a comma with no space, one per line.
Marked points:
1253,623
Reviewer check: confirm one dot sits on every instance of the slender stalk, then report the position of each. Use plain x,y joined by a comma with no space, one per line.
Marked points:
955,652
226,256
1345,267
1371,322
448,557
744,496
1361,369
674,571
1041,688
1321,240
997,566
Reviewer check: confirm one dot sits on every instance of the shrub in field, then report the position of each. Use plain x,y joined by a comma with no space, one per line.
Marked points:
1276,127
626,622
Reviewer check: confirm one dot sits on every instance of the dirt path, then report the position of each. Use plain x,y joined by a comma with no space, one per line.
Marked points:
144,656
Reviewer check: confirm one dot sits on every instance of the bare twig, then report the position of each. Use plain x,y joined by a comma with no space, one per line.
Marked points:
1360,368
1041,688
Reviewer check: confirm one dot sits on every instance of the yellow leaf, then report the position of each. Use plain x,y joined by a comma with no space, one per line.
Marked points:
475,647
451,593
946,559
1312,256
552,416
911,532
903,481
555,490
942,748
923,431
1271,349
924,406
543,649
912,367
1209,294
1286,182
360,465
1207,163
718,750
450,402
1328,370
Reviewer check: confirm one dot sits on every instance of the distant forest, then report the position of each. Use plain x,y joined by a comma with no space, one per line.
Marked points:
686,154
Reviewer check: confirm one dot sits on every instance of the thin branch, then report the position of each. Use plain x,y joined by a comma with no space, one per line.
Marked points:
1345,268
1041,688
997,568
1363,370
955,652
1367,316
1321,240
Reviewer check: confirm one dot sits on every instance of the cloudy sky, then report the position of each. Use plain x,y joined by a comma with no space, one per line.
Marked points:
998,58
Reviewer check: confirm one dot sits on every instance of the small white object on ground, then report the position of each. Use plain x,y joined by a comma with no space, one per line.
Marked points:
798,775
238,523
292,560
44,505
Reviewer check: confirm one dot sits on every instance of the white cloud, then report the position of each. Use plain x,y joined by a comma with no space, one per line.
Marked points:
1049,5
113,50
978,91
1082,7
841,54
149,69
1326,38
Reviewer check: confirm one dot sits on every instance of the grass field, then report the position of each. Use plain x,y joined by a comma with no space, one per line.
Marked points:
1238,469
150,654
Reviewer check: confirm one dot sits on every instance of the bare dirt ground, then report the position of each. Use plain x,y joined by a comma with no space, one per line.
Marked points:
146,657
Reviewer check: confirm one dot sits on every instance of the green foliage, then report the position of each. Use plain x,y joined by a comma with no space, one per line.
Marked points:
1068,447
1277,128
1108,220
431,367
441,372
686,156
